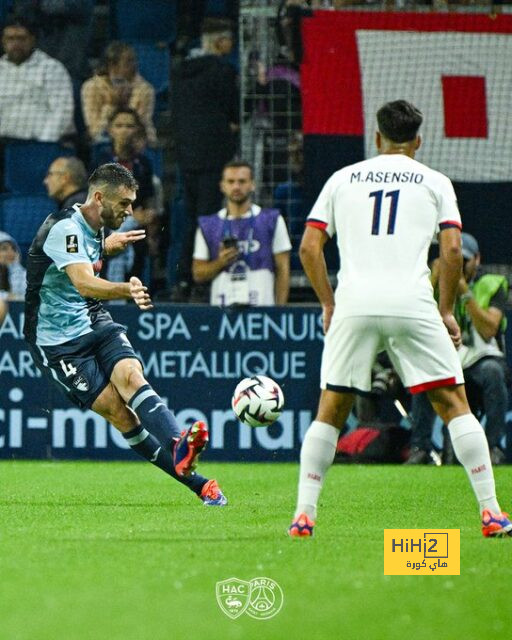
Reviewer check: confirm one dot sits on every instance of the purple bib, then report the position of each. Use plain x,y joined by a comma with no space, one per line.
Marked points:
259,227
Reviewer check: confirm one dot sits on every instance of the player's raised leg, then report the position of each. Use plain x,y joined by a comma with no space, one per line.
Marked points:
157,450
316,456
472,451
174,451
128,379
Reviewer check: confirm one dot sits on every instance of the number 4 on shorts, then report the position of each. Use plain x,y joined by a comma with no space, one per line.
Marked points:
69,369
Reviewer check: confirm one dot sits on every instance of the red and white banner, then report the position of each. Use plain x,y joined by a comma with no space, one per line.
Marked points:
455,68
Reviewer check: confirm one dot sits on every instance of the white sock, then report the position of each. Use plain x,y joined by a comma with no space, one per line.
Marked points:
472,451
316,456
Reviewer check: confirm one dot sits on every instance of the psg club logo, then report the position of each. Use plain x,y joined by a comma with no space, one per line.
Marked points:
261,598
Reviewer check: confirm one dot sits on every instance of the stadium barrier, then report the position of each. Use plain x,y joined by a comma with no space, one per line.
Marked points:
193,356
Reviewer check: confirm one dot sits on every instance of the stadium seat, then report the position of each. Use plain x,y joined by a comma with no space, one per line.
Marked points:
5,7
21,216
155,66
155,155
157,160
289,199
96,152
215,8
78,115
153,21
26,164
176,229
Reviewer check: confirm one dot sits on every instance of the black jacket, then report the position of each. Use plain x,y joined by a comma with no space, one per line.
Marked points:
79,196
204,103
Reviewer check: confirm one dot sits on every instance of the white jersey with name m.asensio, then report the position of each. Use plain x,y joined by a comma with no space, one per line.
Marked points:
385,212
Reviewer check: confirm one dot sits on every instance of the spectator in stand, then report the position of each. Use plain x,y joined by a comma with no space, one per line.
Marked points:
66,181
244,250
127,136
117,85
191,14
279,106
205,119
36,96
13,279
65,30
289,195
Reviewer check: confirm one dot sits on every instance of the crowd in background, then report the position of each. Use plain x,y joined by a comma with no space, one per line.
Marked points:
62,85
102,109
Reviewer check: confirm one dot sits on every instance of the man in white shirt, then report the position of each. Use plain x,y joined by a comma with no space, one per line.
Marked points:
385,212
36,100
243,250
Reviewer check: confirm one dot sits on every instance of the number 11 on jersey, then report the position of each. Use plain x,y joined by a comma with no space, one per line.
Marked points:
377,208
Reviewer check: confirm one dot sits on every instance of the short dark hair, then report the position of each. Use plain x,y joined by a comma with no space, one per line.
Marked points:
111,176
112,55
131,112
18,20
212,25
238,164
77,171
399,121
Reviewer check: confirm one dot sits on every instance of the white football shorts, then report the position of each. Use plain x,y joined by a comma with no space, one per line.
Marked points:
420,350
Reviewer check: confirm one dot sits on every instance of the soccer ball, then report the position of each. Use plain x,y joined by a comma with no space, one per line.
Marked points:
257,401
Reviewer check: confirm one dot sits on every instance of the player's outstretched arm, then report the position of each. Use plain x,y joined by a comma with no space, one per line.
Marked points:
118,241
82,276
311,254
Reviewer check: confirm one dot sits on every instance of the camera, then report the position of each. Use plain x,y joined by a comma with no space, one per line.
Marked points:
119,82
230,242
382,381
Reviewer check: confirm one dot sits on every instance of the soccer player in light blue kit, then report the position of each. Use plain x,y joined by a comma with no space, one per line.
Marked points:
78,346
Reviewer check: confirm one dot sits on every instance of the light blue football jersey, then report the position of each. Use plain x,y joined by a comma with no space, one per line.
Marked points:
62,313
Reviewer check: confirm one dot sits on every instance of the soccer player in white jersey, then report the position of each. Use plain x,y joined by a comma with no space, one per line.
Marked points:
384,212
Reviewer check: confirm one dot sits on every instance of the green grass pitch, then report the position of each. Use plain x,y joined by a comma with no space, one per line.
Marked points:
93,551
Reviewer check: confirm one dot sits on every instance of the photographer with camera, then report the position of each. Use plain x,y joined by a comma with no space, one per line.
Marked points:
243,250
480,312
